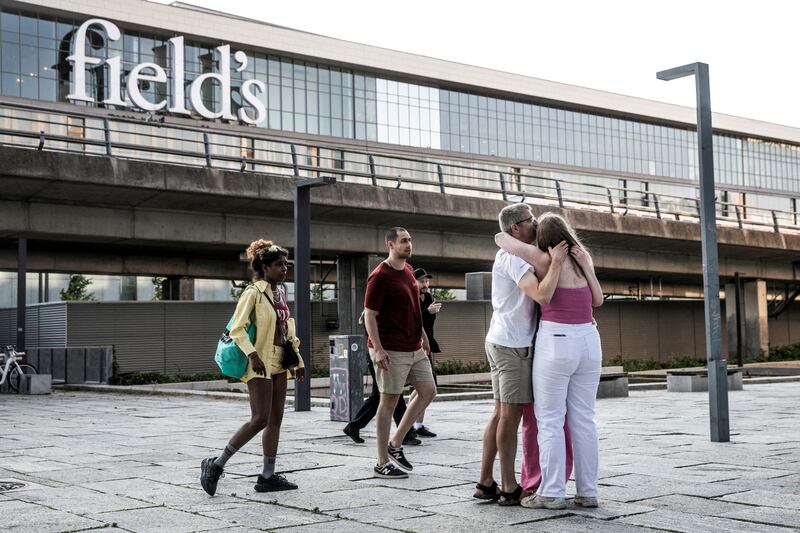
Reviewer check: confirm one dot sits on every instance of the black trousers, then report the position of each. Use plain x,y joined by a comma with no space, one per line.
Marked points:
370,407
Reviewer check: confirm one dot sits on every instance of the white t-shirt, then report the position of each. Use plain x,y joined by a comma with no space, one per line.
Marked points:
514,313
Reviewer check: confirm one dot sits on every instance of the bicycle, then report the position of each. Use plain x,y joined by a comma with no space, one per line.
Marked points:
12,369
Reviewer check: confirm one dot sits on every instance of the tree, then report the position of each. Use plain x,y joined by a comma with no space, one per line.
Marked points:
318,292
238,288
76,289
158,287
443,295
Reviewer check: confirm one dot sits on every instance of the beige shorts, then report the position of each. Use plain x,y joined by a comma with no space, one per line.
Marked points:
403,366
511,373
272,362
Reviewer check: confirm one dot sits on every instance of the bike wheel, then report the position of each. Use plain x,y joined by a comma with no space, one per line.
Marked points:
15,376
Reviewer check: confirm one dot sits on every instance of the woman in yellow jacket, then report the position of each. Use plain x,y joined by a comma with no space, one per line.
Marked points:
265,302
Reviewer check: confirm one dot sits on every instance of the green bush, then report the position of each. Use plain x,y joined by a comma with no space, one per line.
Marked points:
790,352
151,378
639,365
446,368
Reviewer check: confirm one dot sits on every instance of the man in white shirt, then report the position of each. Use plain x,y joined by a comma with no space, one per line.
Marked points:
515,289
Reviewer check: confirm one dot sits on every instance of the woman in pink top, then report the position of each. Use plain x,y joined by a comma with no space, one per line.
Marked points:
566,366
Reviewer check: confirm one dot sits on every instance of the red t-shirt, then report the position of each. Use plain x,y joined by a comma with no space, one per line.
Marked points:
394,295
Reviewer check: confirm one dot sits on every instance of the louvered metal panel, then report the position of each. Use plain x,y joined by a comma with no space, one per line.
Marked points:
639,337
785,328
192,332
135,329
32,325
608,324
460,329
677,334
52,325
8,326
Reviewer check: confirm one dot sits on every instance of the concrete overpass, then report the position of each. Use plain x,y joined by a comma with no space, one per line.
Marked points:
110,215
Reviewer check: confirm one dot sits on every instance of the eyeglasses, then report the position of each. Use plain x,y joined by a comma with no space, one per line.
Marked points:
529,219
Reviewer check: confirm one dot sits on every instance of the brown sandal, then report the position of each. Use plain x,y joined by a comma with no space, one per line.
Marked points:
508,499
482,492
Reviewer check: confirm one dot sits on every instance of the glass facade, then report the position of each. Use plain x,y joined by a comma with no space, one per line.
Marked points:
321,99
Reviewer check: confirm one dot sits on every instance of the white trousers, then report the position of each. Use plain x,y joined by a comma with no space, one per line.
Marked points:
566,372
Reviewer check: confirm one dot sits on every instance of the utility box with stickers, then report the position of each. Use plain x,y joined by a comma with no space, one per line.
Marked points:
347,363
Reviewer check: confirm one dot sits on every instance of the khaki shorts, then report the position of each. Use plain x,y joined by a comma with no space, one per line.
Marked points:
403,366
511,373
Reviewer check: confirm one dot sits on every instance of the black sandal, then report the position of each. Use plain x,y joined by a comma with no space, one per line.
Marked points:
482,492
508,499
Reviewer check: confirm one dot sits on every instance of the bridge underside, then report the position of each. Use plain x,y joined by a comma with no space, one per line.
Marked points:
104,215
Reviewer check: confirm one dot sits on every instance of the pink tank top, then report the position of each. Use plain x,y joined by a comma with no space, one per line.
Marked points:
569,306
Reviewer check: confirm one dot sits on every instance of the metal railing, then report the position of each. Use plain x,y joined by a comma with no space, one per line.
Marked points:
151,139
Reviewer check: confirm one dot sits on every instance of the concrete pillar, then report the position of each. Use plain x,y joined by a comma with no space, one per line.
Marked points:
756,329
22,276
730,321
178,288
352,272
754,320
479,285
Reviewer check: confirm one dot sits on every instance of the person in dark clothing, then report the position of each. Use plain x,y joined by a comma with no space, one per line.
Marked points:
370,408
429,310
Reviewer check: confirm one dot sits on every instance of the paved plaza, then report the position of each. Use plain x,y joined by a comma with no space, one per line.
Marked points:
111,462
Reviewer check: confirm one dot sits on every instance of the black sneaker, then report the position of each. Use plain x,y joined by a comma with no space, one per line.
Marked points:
273,483
210,472
397,455
411,438
422,431
389,471
352,432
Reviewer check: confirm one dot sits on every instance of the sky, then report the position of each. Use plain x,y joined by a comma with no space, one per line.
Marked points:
612,45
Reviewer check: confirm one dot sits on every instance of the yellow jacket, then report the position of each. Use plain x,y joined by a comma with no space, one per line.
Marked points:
255,297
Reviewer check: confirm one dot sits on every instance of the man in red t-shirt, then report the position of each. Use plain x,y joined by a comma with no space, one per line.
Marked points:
398,347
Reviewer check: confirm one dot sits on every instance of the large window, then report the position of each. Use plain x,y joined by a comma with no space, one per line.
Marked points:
322,99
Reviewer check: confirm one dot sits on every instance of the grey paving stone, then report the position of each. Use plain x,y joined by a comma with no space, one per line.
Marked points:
413,482
767,515
18,517
161,519
691,523
148,449
671,485
609,510
581,524
77,476
495,514
153,492
693,504
80,500
262,515
457,524
338,526
392,515
766,499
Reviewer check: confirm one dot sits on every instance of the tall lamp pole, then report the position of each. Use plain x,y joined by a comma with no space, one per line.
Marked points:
302,280
717,367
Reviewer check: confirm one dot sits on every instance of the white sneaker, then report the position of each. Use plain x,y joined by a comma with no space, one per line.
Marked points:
534,501
585,501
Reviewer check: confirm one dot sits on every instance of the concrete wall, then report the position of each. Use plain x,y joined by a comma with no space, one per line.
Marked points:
180,337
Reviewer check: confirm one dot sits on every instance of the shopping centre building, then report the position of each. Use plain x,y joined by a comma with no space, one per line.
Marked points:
184,87
187,63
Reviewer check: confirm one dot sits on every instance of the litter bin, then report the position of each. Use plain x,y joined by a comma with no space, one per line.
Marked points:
347,369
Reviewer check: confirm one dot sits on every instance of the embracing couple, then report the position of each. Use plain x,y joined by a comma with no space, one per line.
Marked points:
543,290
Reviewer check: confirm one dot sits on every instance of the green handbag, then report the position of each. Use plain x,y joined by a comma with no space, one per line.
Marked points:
230,359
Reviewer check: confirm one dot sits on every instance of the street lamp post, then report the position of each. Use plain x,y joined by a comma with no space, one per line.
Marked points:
717,367
302,280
